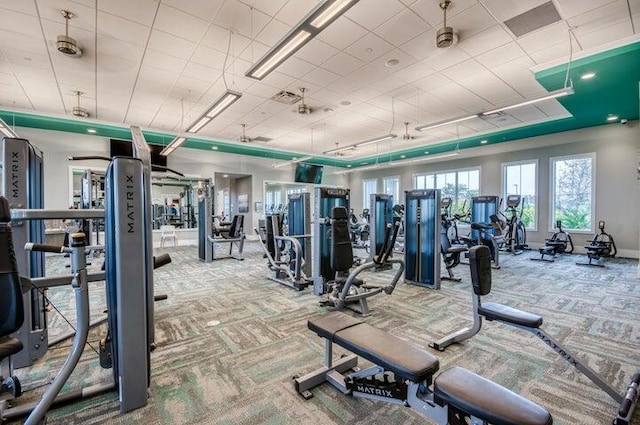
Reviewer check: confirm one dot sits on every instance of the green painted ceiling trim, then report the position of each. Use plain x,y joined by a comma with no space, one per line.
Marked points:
23,119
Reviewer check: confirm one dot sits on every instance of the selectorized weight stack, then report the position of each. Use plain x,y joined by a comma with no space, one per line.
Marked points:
325,199
422,238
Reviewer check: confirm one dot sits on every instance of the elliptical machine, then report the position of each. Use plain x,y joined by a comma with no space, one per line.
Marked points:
451,249
515,238
559,243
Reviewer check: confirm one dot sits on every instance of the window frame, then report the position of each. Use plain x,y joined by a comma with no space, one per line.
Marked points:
537,177
453,170
384,189
366,201
552,190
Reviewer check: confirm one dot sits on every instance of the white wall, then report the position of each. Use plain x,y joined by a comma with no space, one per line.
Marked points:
617,196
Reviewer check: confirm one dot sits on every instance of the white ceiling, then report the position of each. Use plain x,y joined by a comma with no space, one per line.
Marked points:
150,59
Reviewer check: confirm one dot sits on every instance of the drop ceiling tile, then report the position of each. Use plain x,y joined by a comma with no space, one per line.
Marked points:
180,24
389,84
471,21
327,96
369,47
500,55
38,60
553,108
570,8
141,11
461,97
202,9
373,13
552,52
430,11
296,67
25,72
170,44
463,70
84,18
594,35
273,32
343,64
485,41
517,74
239,17
527,113
122,29
415,72
195,79
28,44
477,125
321,77
491,89
163,61
544,37
401,28
601,16
293,11
209,57
422,46
316,52
507,9
271,7
278,80
342,33
444,58
19,6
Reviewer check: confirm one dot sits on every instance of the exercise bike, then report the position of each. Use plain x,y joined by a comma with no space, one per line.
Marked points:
559,243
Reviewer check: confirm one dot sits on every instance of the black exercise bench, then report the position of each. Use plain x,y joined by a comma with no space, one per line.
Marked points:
403,375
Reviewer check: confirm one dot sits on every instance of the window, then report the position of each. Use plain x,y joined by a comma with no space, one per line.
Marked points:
369,187
520,178
392,187
460,185
573,191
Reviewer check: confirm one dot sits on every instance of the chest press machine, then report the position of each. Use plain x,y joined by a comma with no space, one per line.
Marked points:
480,263
403,375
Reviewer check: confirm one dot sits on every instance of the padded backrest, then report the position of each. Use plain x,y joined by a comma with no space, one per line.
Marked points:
11,307
480,264
341,249
445,244
237,225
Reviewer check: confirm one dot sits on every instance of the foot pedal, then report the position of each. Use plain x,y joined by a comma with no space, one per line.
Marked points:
106,361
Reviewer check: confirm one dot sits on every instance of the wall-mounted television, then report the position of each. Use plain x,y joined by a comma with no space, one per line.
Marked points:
125,148
308,173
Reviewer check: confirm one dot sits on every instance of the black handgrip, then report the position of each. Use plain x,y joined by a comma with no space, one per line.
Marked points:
160,297
161,260
89,158
632,393
392,243
5,211
30,246
624,408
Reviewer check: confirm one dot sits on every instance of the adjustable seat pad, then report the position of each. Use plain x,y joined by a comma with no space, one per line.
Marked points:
502,313
377,346
485,399
457,248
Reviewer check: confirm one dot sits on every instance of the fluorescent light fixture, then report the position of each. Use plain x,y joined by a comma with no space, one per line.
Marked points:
168,150
310,26
227,99
431,158
361,144
552,95
587,76
375,140
293,161
7,131
396,163
330,13
612,118
91,130
484,142
446,122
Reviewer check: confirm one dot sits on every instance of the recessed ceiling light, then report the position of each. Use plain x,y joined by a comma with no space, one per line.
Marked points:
225,175
426,152
484,142
403,156
215,148
588,76
363,163
91,130
368,50
391,63
348,165
345,103
612,118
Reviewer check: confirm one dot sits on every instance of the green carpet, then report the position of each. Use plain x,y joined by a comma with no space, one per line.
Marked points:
229,341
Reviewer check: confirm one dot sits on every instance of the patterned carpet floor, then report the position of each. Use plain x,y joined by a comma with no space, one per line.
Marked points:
229,341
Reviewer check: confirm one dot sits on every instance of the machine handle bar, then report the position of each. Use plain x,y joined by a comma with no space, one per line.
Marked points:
56,249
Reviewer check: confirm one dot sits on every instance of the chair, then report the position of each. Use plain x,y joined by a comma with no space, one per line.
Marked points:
168,232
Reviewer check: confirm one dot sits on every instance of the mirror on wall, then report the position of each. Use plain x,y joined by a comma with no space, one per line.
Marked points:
175,202
276,193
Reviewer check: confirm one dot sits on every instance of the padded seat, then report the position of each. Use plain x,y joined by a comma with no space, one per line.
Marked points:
457,248
377,346
9,347
484,399
503,313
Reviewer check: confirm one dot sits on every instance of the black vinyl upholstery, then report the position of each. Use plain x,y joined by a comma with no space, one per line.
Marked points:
236,228
503,313
482,398
11,306
480,264
341,249
377,346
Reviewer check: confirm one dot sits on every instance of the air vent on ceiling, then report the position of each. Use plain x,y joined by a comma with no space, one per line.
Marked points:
286,97
531,20
262,139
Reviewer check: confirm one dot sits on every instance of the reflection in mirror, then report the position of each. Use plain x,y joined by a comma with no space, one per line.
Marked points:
276,194
175,202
